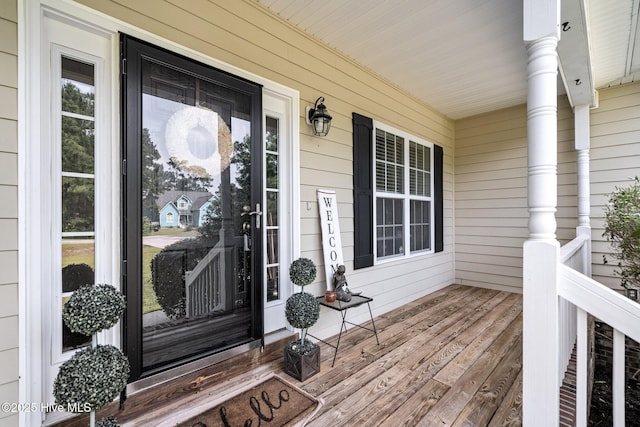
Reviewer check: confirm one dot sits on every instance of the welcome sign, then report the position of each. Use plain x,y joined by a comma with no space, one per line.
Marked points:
331,242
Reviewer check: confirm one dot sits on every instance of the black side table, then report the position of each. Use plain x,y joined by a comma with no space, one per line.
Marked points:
342,307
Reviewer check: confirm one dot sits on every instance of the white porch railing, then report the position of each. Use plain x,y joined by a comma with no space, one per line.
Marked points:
591,297
204,290
574,254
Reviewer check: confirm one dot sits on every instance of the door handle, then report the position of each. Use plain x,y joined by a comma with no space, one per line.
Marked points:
257,213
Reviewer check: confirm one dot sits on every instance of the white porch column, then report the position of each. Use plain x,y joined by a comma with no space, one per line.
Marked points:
541,251
583,143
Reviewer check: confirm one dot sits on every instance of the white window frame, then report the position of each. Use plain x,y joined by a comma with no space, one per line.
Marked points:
406,197
283,108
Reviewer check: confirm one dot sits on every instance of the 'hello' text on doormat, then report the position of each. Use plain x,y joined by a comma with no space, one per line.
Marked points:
273,402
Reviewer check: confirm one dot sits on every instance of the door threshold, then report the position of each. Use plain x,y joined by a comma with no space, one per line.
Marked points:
278,335
171,374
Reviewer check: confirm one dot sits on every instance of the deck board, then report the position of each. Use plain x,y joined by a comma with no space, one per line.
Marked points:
451,358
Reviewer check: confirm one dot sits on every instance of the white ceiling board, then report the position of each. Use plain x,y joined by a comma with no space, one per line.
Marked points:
610,26
462,57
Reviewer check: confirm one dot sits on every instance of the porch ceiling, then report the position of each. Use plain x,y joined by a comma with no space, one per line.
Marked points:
463,57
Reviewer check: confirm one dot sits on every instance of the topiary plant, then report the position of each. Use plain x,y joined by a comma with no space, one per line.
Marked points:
93,308
94,375
302,271
302,309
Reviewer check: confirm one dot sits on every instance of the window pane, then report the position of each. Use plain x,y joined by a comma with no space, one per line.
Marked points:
389,234
420,215
272,246
78,91
273,284
399,150
272,208
272,170
77,145
381,175
271,145
77,193
390,145
272,134
419,166
399,180
388,212
391,184
78,260
389,162
77,204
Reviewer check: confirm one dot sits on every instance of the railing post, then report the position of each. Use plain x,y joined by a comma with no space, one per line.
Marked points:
618,380
541,387
582,369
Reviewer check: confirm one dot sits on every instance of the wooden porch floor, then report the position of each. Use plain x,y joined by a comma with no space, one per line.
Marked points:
451,358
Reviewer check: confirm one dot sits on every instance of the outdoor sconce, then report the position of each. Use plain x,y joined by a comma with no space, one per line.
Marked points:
319,118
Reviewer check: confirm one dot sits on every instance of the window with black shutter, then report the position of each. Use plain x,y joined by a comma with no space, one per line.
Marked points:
398,196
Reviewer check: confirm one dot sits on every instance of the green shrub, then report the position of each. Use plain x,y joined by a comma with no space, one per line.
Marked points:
76,275
622,230
168,269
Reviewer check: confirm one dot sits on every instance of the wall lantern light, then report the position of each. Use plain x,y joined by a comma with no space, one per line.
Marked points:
319,118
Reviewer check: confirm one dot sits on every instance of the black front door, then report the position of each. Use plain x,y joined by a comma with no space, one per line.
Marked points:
191,195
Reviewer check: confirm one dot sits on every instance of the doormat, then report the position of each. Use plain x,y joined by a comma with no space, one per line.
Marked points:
272,402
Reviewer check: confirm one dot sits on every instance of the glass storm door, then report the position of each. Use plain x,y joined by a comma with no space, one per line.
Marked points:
192,209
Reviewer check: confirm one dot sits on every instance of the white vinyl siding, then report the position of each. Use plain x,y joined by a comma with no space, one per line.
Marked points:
491,199
491,195
491,185
615,161
9,339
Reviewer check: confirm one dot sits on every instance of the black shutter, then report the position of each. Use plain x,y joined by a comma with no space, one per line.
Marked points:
438,160
362,191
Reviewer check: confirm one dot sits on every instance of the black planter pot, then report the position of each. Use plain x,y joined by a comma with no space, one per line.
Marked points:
302,365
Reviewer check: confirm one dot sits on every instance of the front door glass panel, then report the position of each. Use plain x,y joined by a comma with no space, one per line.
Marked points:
195,221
